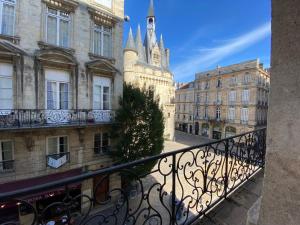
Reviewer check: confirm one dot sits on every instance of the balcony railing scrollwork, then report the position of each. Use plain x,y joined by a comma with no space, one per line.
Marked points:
34,118
7,166
181,188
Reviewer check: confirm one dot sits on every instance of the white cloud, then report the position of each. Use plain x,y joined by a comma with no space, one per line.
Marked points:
206,57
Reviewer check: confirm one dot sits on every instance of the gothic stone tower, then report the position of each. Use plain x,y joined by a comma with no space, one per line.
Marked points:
147,65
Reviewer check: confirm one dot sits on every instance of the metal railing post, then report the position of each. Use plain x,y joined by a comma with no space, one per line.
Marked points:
173,219
226,167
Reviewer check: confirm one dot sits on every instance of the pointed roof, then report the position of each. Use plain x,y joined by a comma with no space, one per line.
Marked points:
163,53
151,9
139,45
130,45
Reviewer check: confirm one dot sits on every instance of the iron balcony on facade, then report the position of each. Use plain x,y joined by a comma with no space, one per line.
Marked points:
7,166
231,103
225,165
244,122
230,121
38,118
102,150
58,160
245,102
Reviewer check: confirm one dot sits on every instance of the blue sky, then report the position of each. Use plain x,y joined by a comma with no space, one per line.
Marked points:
202,34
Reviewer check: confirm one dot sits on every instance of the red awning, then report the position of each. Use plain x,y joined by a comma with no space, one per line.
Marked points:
21,184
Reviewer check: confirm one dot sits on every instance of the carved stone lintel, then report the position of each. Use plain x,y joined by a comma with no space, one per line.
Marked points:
101,17
65,5
13,39
46,46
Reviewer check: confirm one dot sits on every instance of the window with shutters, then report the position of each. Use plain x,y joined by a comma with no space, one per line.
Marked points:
232,97
7,17
231,114
6,86
58,94
57,145
102,93
6,155
245,96
58,27
244,115
101,143
218,113
102,41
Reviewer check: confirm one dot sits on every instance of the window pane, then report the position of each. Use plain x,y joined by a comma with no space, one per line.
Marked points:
51,95
107,45
52,30
63,95
52,145
8,19
97,143
97,42
64,33
6,93
7,153
63,144
97,97
106,101
105,142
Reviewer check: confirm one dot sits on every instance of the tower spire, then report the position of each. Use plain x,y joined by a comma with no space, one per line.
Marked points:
130,45
151,9
163,52
139,45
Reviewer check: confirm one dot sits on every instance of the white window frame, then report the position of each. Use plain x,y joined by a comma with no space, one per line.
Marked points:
58,18
232,96
13,3
102,82
245,95
8,75
100,28
231,113
101,144
57,150
218,113
12,149
244,114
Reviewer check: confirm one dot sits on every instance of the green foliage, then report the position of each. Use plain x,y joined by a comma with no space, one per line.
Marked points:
138,131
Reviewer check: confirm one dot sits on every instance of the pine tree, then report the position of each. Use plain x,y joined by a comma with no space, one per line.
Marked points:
139,127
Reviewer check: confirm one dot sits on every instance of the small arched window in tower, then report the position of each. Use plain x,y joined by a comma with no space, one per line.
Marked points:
150,20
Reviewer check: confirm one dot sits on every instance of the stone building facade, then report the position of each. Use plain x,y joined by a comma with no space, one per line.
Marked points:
185,94
227,100
146,65
61,64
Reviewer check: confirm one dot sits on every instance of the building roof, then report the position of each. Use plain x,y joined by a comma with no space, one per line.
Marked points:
151,9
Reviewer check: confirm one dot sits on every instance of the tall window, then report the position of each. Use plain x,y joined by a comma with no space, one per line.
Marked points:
231,113
102,40
6,87
7,16
232,97
233,80
205,112
219,97
219,83
218,113
57,89
6,155
244,115
246,78
57,145
58,27
245,96
198,97
101,95
206,97
101,143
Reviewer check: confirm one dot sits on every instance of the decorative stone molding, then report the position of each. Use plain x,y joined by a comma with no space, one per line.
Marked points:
65,5
102,66
45,46
99,57
101,17
13,39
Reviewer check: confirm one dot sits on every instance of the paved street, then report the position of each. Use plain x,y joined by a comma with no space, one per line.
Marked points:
183,140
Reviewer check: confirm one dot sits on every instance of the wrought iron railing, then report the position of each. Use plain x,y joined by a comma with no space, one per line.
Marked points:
7,166
181,188
34,118
57,160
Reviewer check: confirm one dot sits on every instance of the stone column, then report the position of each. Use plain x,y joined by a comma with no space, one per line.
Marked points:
281,192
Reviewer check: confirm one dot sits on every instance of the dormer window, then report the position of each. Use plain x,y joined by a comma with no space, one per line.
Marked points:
7,16
58,27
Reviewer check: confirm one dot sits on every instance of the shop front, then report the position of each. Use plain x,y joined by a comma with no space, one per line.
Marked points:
217,132
205,130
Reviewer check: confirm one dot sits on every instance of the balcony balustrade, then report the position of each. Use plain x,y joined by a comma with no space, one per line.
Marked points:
36,118
181,188
232,103
218,102
58,160
244,122
245,102
7,166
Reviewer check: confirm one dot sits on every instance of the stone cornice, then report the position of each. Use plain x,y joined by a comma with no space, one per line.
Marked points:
101,17
66,5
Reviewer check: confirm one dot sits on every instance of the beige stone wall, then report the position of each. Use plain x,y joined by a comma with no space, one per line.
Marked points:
143,75
280,197
29,87
258,86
